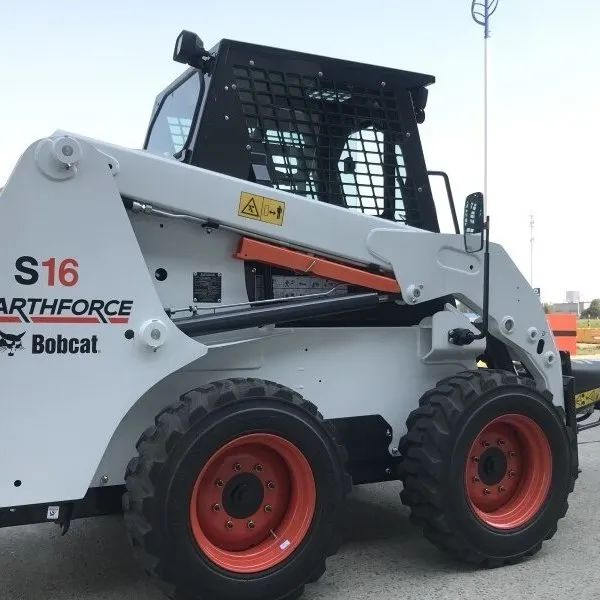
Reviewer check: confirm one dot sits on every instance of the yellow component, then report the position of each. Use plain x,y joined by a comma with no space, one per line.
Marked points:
262,209
587,398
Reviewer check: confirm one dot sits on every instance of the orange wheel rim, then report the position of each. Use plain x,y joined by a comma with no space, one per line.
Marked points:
508,472
253,503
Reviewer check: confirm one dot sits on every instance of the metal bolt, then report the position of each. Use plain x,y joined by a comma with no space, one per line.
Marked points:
233,86
475,459
271,485
485,443
501,442
251,62
104,479
512,473
219,483
388,433
268,508
486,492
258,468
226,88
227,117
320,73
476,479
388,471
501,488
67,150
508,324
408,134
395,451
229,524
250,524
216,507
248,147
383,84
512,453
419,189
155,334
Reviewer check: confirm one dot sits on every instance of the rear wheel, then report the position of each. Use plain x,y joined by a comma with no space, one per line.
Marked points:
487,466
236,493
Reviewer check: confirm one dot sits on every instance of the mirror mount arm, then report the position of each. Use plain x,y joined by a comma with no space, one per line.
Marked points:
462,336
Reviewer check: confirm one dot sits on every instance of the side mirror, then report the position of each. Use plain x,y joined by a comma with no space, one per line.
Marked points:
189,50
473,223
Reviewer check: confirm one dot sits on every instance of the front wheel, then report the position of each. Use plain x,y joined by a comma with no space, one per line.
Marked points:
236,493
487,467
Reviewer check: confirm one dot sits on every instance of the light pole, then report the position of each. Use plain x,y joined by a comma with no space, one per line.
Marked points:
531,239
481,11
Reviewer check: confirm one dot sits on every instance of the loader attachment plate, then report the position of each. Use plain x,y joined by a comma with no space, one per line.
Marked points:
587,379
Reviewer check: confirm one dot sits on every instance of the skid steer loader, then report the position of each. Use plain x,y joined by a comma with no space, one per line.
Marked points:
221,333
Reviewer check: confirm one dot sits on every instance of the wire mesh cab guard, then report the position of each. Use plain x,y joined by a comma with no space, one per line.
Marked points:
336,131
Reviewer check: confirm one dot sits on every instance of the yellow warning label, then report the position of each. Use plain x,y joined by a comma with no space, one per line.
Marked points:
262,209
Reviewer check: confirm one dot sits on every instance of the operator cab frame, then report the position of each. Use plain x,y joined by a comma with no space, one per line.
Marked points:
332,130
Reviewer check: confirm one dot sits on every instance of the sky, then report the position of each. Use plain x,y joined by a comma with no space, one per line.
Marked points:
94,68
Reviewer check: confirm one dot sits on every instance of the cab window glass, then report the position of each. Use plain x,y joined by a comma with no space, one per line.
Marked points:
171,128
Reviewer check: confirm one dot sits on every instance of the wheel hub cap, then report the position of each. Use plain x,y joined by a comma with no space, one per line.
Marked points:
243,495
492,466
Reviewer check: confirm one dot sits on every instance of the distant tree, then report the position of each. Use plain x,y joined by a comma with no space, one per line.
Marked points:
548,308
593,310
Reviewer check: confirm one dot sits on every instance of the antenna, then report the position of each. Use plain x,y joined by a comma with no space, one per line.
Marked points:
481,11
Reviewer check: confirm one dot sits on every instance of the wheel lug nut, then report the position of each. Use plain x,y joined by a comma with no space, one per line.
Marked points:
258,468
250,524
511,473
475,459
237,467
486,492
501,488
512,453
219,483
500,442
271,485
485,443
216,507
229,524
268,508
476,479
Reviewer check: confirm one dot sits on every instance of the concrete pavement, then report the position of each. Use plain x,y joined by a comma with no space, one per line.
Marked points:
383,558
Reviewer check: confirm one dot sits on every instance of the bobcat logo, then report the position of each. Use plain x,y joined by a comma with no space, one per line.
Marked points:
11,342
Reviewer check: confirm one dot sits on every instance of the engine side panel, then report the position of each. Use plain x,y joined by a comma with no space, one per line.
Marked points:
68,372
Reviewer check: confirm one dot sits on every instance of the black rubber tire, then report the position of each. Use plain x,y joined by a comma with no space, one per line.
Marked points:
160,480
434,450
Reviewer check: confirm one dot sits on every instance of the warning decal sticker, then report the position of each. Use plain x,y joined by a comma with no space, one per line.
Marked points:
262,209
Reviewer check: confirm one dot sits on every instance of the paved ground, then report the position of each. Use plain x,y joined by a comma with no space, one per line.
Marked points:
384,557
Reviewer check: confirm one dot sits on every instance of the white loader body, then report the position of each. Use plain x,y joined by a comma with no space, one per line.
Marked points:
77,393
